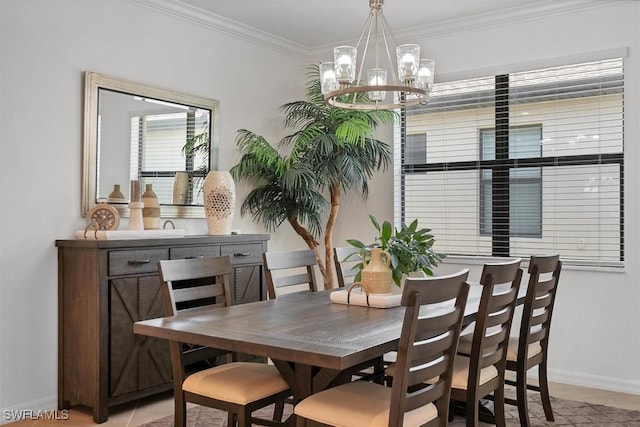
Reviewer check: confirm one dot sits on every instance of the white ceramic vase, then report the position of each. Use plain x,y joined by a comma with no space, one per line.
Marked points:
181,188
219,201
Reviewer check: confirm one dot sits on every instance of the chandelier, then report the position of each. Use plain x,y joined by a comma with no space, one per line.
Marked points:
376,90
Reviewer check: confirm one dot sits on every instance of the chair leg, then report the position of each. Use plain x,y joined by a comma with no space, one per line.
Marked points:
544,390
472,410
521,397
180,410
498,406
278,410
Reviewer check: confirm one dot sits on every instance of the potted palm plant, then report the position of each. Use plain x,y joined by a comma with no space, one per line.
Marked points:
410,248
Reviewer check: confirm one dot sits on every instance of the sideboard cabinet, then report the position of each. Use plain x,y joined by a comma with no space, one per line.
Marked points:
105,286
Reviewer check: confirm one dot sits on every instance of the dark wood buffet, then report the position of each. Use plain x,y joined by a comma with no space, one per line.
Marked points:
104,286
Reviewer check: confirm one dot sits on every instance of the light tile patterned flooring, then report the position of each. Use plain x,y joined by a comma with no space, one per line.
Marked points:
137,413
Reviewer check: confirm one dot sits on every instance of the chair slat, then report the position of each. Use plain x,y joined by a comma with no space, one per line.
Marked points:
196,293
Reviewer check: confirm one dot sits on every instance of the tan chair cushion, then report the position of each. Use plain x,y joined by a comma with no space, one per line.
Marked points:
512,350
358,404
238,382
464,343
461,373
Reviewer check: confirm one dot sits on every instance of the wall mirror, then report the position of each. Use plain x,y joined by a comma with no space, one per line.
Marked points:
156,136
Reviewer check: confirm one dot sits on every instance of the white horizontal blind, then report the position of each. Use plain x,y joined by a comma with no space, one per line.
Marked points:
157,143
520,164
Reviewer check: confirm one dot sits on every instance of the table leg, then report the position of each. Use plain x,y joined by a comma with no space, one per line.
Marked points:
304,380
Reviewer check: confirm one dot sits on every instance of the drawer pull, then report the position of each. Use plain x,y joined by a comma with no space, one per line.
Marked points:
195,257
242,254
138,261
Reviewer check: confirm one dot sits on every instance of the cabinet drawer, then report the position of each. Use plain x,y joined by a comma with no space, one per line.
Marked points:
194,252
250,253
136,262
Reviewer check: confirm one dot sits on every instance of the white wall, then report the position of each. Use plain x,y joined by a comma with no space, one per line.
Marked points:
44,48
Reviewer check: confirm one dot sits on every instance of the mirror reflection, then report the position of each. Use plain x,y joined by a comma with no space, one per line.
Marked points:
153,141
159,137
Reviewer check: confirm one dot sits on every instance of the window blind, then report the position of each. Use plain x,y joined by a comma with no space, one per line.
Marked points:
157,151
520,164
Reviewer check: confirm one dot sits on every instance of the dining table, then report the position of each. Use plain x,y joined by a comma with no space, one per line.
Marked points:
309,338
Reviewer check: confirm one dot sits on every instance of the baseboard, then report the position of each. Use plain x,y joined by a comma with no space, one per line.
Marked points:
36,409
592,381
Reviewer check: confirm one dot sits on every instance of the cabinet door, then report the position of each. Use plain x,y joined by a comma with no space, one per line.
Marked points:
247,284
137,362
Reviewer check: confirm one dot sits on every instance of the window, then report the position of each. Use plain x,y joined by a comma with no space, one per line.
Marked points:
415,151
525,184
157,142
518,164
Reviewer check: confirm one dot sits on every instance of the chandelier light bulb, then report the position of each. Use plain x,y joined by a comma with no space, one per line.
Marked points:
328,80
377,77
345,63
408,59
426,74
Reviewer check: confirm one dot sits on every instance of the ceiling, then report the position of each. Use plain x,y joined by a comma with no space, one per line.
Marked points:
313,23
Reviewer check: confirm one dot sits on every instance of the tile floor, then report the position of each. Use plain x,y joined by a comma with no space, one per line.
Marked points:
137,413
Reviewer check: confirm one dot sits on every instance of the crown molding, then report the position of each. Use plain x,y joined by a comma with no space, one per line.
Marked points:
530,12
218,23
534,11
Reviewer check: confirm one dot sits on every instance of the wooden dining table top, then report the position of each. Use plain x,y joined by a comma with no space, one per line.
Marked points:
304,327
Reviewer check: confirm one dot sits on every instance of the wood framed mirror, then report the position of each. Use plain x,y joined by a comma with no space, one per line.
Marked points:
157,136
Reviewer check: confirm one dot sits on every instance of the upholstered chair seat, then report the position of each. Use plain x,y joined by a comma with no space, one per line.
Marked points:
359,404
237,382
464,347
461,373
512,350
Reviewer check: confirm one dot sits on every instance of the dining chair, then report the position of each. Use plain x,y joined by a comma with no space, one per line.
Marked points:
292,270
239,388
344,261
530,347
479,368
426,350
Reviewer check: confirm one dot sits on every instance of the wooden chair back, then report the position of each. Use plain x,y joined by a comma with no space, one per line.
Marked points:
192,283
345,259
188,284
544,273
291,269
427,346
501,282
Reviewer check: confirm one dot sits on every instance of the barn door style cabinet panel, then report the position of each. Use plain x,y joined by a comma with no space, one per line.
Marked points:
104,287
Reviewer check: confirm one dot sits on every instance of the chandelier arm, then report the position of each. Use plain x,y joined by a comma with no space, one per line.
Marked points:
386,45
367,25
377,42
386,24
370,22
